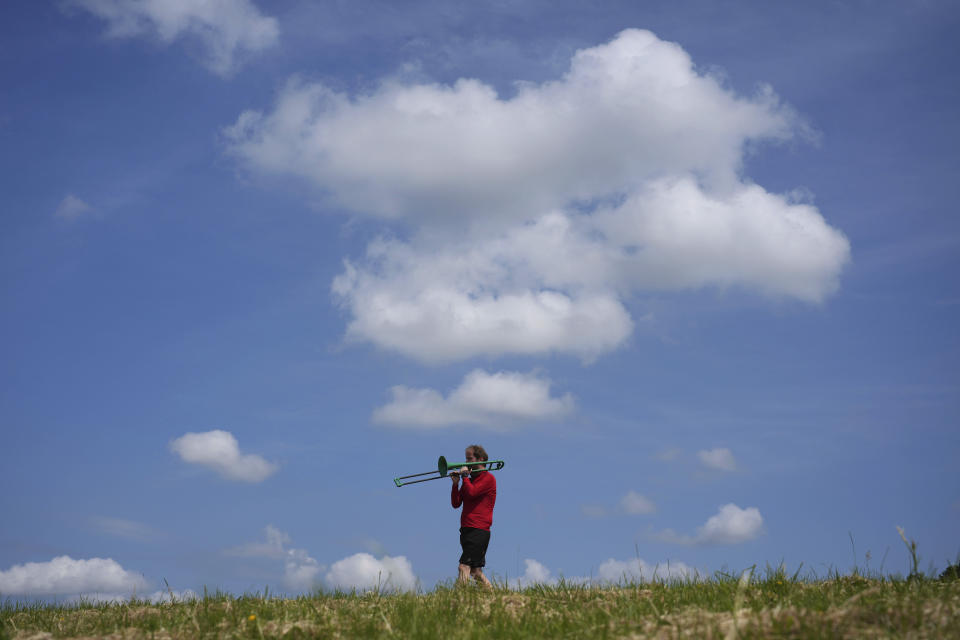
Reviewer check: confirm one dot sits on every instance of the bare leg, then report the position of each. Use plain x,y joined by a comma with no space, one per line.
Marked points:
463,574
477,574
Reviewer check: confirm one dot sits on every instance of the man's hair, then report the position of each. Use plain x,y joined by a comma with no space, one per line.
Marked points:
479,452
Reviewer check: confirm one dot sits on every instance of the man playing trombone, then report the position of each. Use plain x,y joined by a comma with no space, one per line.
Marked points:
476,490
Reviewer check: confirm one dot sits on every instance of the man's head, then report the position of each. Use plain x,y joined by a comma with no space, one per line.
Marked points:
476,453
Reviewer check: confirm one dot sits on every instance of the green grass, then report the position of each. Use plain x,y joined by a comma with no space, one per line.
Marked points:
773,605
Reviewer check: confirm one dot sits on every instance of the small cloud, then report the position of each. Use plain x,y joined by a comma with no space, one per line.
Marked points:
638,570
362,571
534,573
730,525
482,399
122,528
65,576
719,459
218,450
227,30
72,208
300,570
635,504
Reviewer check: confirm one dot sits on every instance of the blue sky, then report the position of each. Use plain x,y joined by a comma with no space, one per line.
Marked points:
688,267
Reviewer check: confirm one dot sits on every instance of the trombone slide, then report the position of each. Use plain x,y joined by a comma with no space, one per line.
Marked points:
443,468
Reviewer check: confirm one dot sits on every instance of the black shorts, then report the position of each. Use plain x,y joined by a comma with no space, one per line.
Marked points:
474,543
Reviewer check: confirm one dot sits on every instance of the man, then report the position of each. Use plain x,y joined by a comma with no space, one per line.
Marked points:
476,490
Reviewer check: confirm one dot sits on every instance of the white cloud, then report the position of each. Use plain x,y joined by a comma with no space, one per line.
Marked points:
557,282
218,450
534,573
673,234
72,208
477,296
362,571
719,459
638,570
228,29
533,218
300,569
63,575
482,399
610,572
626,111
635,504
730,525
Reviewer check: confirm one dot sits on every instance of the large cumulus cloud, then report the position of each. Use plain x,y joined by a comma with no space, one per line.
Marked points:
65,575
362,571
531,219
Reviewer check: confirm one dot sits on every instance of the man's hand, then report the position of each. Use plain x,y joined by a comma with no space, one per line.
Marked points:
464,471
455,477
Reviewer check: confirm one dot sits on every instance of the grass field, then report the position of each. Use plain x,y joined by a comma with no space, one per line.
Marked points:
774,605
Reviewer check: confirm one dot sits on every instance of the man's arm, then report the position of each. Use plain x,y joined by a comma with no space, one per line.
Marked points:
470,488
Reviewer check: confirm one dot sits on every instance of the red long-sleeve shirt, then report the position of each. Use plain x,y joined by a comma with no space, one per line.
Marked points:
477,495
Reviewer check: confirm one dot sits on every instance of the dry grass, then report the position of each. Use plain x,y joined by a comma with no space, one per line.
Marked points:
727,608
